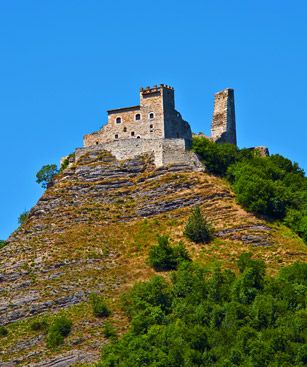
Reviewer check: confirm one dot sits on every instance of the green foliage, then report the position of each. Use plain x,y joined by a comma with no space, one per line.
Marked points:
65,162
270,186
218,157
274,187
23,217
57,331
2,243
41,325
99,306
46,174
154,293
109,331
197,228
3,331
164,257
215,318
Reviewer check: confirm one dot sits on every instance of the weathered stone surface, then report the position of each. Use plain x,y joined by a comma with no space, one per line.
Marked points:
223,127
261,151
154,118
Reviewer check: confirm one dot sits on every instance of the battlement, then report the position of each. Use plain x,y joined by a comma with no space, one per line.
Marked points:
155,89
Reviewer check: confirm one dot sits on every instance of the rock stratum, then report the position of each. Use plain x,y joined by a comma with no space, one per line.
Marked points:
91,231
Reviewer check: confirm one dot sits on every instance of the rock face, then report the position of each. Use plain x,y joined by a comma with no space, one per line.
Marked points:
90,232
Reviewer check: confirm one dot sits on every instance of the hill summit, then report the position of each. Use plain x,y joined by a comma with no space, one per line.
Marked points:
90,233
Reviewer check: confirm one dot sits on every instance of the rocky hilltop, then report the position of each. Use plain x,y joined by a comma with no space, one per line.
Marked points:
90,232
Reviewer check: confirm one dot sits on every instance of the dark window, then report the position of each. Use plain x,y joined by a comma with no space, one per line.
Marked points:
151,115
132,133
137,117
151,126
125,129
116,136
97,143
118,120
138,137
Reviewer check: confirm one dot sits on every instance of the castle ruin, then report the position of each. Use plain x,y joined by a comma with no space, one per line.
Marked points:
156,127
154,118
223,127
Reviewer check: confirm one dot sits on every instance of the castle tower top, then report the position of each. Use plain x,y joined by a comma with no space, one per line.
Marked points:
157,94
155,89
223,127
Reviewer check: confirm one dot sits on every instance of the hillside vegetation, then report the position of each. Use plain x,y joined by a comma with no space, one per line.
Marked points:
215,318
270,186
91,233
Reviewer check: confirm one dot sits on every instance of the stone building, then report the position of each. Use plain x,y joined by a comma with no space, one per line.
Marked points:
153,127
154,118
223,127
156,128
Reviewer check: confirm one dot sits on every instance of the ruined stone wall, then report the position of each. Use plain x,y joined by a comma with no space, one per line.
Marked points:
174,125
223,128
165,151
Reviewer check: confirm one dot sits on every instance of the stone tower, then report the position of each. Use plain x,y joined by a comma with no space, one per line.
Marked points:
223,127
154,118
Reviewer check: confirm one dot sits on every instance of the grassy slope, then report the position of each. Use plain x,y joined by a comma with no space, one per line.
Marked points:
108,255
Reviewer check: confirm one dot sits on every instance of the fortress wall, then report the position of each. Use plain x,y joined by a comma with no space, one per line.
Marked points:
165,151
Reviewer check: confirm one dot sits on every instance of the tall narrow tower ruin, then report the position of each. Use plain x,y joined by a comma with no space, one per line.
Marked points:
223,127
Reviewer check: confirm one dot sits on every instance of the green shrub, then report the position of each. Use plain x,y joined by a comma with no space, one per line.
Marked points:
163,257
57,331
65,162
23,217
109,331
216,157
197,228
3,331
54,339
2,243
39,325
99,306
46,174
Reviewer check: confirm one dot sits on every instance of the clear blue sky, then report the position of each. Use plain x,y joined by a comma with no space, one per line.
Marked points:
64,63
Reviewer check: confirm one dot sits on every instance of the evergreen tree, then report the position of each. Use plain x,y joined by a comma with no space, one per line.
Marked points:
197,228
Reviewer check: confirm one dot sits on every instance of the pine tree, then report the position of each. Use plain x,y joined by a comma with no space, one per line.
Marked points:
197,228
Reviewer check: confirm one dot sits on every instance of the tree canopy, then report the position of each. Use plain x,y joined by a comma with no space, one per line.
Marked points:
269,186
46,174
215,318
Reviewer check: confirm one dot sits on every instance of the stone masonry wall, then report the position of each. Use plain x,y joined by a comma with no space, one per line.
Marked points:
165,151
223,128
175,126
158,119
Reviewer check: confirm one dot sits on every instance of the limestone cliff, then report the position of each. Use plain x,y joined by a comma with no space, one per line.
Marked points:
90,232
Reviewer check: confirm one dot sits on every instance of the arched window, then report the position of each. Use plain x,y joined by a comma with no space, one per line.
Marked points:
116,136
118,120
97,142
138,137
125,129
151,115
132,133
137,117
151,126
